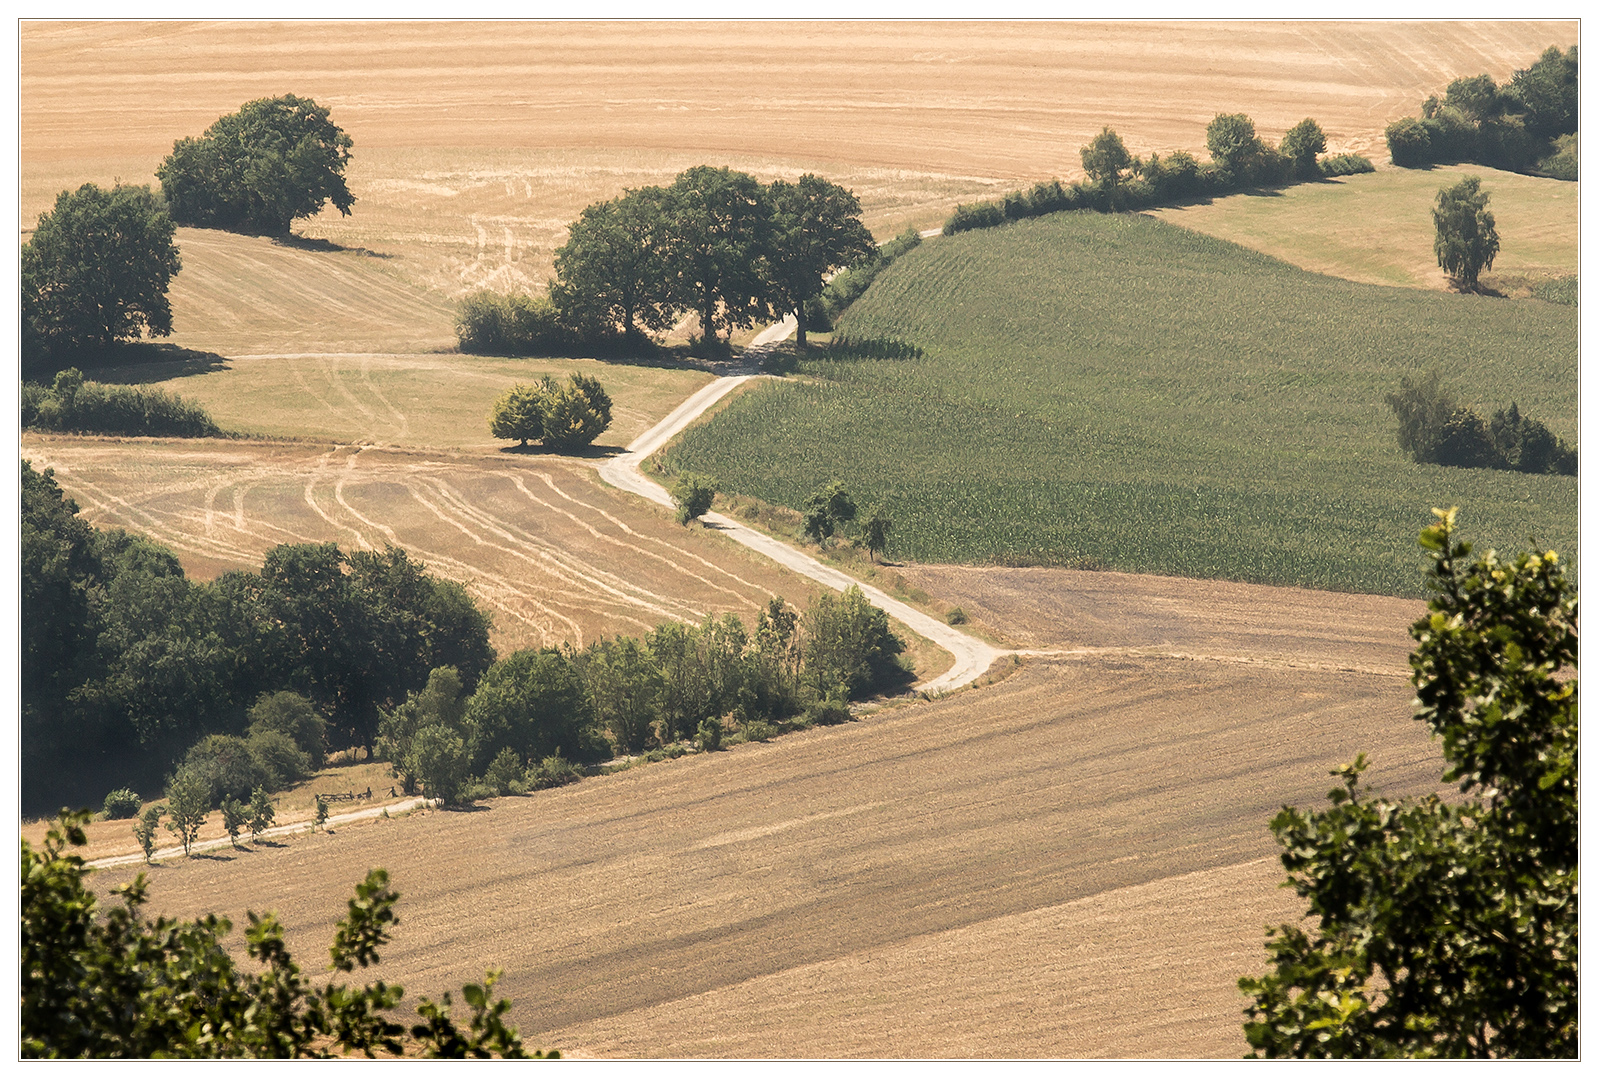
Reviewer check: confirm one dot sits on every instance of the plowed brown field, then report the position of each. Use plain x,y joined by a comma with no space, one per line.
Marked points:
1072,862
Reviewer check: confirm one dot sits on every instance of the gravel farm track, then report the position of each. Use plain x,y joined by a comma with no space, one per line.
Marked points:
1071,861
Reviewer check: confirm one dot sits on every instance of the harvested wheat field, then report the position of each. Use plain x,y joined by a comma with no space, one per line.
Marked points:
536,540
1071,862
476,143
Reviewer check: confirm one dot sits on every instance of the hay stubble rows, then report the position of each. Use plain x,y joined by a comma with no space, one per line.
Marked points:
1070,862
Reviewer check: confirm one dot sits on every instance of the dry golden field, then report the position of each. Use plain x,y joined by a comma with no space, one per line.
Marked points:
1072,862
476,143
552,554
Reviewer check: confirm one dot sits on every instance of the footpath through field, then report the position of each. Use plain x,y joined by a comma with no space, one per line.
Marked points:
972,657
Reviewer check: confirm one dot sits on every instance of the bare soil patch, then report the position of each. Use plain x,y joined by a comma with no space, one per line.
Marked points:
1072,862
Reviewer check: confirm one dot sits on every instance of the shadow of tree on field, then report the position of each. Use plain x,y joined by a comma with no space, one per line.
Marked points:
132,363
316,243
597,450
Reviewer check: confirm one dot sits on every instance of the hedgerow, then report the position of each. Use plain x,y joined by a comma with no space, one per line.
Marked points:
92,408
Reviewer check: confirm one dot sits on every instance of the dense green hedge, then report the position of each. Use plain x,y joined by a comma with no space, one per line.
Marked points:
71,404
1156,182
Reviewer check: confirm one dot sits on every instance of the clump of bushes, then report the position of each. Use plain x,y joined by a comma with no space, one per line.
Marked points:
121,803
1434,428
516,324
564,418
1345,165
92,408
1529,124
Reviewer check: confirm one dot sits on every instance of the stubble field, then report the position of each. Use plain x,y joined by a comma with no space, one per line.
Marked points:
1073,862
475,144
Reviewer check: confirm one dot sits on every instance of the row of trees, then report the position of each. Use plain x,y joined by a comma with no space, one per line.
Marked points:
128,663
1529,124
715,242
1119,180
538,708
131,672
1436,429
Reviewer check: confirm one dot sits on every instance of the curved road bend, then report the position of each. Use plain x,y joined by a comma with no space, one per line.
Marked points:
972,657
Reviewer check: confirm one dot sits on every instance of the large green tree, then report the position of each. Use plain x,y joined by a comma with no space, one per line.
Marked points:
1233,144
718,228
1466,240
1547,93
96,271
533,702
257,170
815,229
612,269
1447,928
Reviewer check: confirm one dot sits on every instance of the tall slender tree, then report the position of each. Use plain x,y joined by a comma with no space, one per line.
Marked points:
1467,240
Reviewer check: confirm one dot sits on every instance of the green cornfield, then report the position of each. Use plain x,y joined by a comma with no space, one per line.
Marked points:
1110,391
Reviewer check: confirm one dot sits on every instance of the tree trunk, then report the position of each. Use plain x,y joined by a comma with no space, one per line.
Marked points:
708,326
799,322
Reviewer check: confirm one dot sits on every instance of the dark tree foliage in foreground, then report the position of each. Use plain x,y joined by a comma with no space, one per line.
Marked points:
257,170
119,985
1447,929
96,271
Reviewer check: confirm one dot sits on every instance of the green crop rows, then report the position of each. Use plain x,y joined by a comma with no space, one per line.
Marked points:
1111,391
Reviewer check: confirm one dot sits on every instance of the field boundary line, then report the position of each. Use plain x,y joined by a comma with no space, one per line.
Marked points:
973,658
1155,653
404,806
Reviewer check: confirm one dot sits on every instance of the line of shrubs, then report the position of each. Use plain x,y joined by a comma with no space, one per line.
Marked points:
1435,429
847,285
74,405
539,714
1119,181
1529,124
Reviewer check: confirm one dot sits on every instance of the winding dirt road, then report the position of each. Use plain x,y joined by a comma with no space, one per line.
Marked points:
972,657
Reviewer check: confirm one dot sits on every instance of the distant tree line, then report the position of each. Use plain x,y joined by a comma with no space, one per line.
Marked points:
1435,429
715,242
1527,125
136,678
1118,180
72,404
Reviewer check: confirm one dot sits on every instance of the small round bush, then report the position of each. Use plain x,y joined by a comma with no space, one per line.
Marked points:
122,803
827,712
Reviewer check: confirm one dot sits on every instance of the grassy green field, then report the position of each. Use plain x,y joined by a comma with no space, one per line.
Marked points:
1117,392
1378,228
